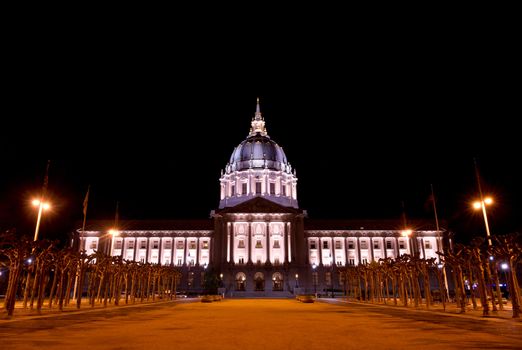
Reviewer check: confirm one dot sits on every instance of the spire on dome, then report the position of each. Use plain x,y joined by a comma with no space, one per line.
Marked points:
258,115
258,123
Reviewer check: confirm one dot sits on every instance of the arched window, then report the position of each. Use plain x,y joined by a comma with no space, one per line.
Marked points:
240,281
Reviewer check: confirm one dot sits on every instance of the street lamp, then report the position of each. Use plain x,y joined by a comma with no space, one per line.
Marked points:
481,204
112,233
296,280
505,267
41,207
407,233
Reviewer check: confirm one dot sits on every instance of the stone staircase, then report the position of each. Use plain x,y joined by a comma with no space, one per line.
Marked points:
260,294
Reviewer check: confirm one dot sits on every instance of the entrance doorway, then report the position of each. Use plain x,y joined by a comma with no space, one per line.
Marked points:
241,282
259,280
277,282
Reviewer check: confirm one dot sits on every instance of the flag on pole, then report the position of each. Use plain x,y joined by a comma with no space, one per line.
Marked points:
86,201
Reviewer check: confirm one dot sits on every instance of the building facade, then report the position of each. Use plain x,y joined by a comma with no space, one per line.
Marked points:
258,241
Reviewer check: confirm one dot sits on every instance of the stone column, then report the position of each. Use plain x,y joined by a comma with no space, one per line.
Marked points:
160,250
232,239
147,250
384,247
370,250
197,251
333,251
172,251
320,252
135,247
249,234
186,251
358,249
228,242
286,246
289,245
267,231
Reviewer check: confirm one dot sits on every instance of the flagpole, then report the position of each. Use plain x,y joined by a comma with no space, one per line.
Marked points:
85,205
439,240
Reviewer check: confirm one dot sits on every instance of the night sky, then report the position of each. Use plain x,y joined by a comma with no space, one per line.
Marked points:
364,130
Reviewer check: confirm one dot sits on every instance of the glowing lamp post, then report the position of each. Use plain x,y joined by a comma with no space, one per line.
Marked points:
112,233
407,233
41,207
296,280
481,205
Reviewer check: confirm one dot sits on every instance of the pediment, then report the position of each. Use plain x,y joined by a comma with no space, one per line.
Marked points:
260,205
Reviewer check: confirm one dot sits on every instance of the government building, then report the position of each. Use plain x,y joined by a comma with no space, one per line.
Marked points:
258,241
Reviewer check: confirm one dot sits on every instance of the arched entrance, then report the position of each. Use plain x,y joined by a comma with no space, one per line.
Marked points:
259,280
240,281
277,282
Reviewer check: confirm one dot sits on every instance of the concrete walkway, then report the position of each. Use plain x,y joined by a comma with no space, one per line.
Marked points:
259,324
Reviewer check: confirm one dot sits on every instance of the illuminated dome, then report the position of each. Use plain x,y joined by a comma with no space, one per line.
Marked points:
258,168
258,151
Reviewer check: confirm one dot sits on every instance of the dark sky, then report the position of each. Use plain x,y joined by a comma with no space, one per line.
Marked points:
365,125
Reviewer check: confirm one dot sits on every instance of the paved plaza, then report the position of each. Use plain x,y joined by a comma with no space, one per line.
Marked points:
258,324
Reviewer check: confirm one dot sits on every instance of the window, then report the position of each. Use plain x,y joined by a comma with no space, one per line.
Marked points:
325,244
258,187
241,260
351,245
364,245
241,244
192,245
315,278
205,245
258,244
364,261
337,244
167,260
427,244
402,245
313,245
276,261
117,245
155,244
179,261
388,245
351,261
258,260
284,190
130,245
328,278
272,188
142,259
232,190
276,244
338,261
244,188
179,245
143,244
93,245
191,263
375,245
168,244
